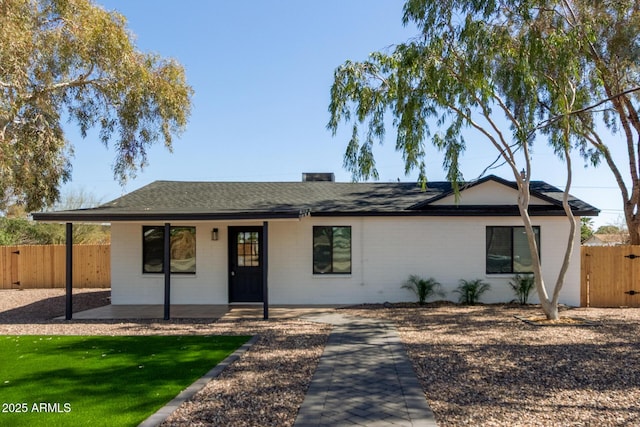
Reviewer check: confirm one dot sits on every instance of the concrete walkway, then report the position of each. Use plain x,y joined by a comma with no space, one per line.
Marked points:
364,378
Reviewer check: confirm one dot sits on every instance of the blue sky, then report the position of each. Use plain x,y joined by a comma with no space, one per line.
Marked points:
262,71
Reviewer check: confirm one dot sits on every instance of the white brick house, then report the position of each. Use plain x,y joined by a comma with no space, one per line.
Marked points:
323,242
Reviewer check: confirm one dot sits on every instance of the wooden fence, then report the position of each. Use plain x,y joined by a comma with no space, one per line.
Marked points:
610,276
44,266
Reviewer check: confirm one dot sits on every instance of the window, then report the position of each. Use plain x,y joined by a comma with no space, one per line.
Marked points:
331,250
183,249
248,249
508,250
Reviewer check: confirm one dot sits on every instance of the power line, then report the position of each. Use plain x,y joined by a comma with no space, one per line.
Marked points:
587,187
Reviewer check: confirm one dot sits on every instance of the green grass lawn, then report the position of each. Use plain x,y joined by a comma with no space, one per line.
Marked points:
100,380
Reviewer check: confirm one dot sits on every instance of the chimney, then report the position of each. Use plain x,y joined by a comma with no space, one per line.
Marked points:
318,177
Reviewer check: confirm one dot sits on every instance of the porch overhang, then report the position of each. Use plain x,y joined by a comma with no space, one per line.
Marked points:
101,215
70,217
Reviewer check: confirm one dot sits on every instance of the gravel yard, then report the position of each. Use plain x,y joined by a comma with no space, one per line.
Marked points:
479,366
264,388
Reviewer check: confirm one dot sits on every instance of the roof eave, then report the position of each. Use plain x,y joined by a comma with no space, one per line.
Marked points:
79,216
462,211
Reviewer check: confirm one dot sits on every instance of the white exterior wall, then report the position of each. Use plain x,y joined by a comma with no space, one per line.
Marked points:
385,251
130,286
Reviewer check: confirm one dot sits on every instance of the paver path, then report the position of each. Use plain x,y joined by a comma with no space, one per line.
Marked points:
364,378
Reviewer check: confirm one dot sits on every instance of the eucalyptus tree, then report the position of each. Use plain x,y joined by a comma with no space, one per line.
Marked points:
604,38
71,60
468,68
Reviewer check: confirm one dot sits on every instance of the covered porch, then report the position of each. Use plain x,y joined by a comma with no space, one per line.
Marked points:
250,271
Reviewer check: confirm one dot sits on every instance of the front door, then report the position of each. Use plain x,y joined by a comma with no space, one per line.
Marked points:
245,264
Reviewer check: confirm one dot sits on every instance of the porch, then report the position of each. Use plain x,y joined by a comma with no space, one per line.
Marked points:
199,311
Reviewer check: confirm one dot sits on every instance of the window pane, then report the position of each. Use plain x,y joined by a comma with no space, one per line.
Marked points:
152,249
254,249
508,250
342,249
183,249
522,261
499,250
322,249
331,250
241,248
248,249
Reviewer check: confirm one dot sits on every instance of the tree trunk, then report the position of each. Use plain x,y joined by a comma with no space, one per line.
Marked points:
633,224
573,226
549,307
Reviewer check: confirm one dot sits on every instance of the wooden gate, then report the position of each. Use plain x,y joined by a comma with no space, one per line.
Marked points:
610,276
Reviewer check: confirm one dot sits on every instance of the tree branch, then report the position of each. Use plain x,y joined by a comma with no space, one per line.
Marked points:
554,119
572,228
81,80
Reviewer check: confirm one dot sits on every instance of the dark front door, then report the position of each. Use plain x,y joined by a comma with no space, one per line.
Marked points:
245,264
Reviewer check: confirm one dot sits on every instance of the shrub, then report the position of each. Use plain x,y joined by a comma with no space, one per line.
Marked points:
522,286
471,290
423,288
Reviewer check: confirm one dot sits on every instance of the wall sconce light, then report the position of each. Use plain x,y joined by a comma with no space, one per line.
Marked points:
214,234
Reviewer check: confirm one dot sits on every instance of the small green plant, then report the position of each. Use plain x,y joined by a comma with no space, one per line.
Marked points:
471,290
522,285
423,288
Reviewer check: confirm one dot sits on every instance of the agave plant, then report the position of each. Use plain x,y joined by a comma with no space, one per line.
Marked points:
522,286
423,288
471,290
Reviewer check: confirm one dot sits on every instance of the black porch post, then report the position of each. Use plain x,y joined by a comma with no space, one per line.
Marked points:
167,271
68,312
265,270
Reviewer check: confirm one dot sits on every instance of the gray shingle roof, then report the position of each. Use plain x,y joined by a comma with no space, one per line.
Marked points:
172,200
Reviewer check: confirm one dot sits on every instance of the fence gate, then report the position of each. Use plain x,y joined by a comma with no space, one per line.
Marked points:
610,276
15,268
